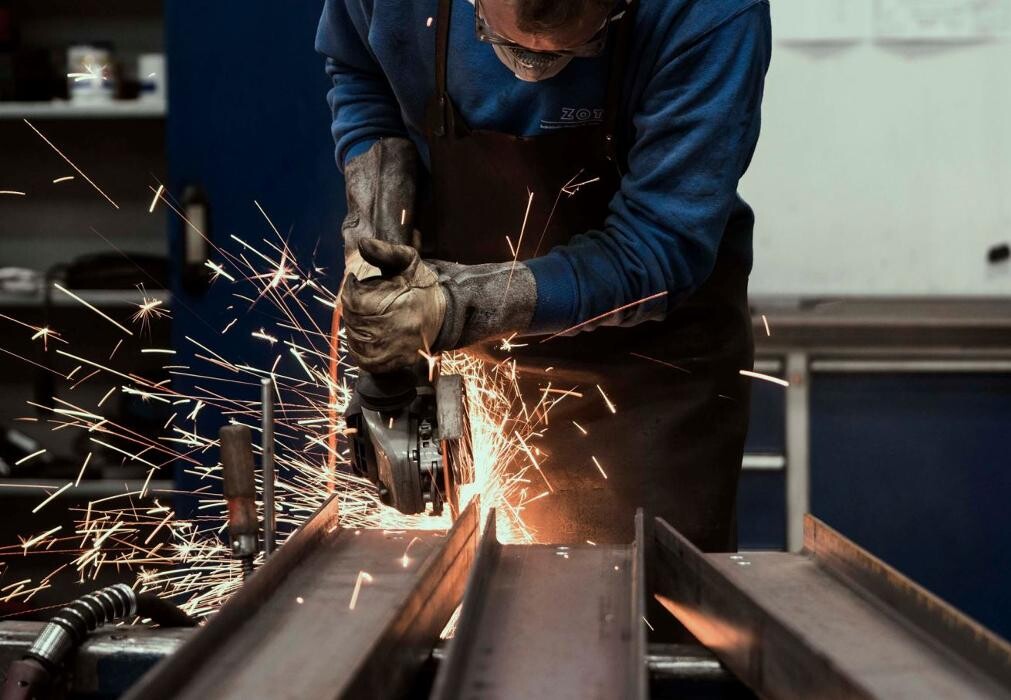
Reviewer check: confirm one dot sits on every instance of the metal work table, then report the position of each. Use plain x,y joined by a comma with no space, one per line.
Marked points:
867,335
885,326
552,621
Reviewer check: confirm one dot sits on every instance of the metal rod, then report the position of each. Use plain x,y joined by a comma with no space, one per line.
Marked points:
949,366
798,431
267,403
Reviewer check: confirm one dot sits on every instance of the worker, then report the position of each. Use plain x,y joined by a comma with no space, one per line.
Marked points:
522,169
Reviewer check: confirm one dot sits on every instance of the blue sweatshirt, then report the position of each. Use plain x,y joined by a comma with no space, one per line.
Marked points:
691,113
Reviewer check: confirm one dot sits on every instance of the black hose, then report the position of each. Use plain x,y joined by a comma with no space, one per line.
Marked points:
162,612
71,626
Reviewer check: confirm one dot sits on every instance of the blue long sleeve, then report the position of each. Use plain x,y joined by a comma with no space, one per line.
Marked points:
362,102
696,131
690,114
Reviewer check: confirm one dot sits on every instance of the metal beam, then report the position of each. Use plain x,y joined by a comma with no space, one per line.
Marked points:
113,658
831,622
293,631
543,621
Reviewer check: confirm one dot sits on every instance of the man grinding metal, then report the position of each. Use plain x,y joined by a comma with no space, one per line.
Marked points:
618,132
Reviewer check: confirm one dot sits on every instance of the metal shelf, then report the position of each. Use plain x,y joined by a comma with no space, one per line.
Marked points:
91,488
97,297
125,109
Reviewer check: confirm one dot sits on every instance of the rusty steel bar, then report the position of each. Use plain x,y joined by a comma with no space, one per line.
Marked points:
543,621
830,622
332,614
238,477
267,459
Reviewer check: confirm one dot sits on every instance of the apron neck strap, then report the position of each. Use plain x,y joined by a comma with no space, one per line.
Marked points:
616,79
443,21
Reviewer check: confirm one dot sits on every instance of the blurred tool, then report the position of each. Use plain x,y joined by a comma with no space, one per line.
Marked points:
240,493
90,74
151,75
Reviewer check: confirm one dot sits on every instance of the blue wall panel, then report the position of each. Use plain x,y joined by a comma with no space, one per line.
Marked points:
761,495
767,431
761,510
248,121
916,469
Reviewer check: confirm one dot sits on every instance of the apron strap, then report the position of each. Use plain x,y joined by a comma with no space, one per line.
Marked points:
441,62
616,80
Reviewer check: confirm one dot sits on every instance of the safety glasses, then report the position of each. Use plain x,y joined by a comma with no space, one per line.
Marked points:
593,47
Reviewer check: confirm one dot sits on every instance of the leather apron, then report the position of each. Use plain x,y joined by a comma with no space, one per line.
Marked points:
674,443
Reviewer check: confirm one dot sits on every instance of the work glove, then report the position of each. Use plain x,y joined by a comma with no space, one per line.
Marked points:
412,305
380,188
484,302
393,315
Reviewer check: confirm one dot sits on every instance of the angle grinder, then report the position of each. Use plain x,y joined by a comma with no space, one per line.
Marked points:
410,436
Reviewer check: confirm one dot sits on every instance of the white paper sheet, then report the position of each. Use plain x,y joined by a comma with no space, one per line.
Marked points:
941,20
821,21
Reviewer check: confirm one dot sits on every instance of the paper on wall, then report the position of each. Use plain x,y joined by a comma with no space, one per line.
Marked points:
821,21
941,20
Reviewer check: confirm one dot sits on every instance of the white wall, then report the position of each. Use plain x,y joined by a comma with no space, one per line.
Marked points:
883,169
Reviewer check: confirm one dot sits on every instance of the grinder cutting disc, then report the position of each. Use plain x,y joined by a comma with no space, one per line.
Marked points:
455,438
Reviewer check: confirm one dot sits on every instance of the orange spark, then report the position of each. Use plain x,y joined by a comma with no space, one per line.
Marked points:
53,495
659,362
605,315
157,196
363,577
404,560
519,246
28,457
764,377
80,474
38,538
610,406
97,311
71,163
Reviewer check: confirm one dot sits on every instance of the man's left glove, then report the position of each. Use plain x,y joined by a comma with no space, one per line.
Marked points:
391,317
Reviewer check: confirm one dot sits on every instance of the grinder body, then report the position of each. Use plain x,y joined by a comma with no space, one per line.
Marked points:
410,436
